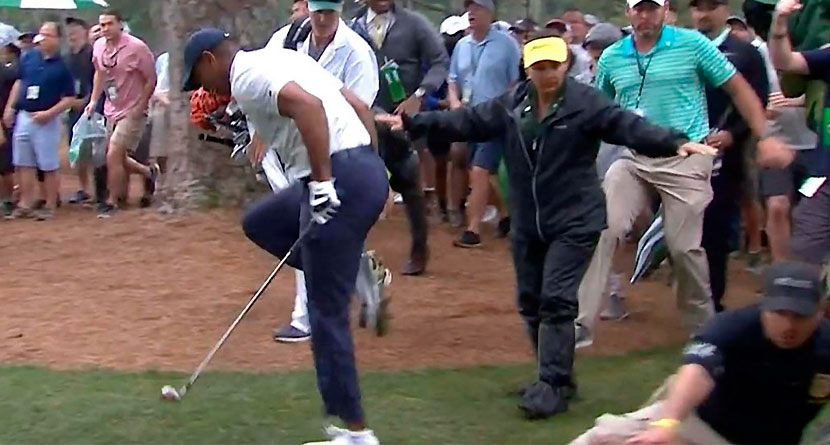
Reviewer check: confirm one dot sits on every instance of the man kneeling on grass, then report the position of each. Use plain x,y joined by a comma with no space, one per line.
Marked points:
755,375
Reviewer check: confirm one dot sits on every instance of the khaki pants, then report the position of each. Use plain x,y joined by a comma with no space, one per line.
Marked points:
616,429
684,187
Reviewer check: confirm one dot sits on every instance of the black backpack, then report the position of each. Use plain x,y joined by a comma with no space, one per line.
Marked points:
297,33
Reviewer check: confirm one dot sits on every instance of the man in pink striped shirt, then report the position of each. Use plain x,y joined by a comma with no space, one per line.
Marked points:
125,71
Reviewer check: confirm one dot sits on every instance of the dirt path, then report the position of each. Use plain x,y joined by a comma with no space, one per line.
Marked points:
144,291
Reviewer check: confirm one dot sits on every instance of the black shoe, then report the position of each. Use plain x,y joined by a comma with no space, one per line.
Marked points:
145,202
468,240
504,227
79,197
105,211
7,209
150,183
541,401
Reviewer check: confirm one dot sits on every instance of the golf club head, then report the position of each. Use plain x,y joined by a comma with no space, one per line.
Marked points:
170,394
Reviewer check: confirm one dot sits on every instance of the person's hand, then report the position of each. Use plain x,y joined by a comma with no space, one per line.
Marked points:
256,151
721,140
90,109
410,106
655,435
42,117
786,7
8,117
694,148
394,122
324,201
774,153
455,103
444,104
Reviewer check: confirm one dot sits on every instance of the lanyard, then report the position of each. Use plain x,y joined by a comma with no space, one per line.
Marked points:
643,72
477,49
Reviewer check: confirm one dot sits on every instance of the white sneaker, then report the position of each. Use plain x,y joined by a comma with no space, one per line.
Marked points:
340,436
584,338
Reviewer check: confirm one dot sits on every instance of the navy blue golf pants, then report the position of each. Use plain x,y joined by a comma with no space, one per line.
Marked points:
329,256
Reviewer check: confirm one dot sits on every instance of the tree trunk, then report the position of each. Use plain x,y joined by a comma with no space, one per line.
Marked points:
200,173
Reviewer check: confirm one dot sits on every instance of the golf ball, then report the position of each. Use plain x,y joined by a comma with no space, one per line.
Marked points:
169,393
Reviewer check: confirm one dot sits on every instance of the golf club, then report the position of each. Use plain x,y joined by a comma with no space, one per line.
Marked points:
169,392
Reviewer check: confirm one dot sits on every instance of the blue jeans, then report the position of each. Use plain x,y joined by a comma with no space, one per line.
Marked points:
330,258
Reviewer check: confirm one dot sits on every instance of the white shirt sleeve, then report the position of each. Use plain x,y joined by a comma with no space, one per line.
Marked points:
361,73
256,80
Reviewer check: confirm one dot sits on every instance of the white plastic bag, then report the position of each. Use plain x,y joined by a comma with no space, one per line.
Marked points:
89,141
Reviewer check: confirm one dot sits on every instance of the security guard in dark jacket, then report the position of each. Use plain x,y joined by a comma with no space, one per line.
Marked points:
552,129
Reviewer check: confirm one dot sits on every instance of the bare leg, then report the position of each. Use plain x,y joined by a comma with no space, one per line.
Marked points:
477,203
28,184
458,190
51,184
427,169
752,213
778,226
116,172
83,175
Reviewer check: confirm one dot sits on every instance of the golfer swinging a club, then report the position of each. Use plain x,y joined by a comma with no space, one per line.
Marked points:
323,136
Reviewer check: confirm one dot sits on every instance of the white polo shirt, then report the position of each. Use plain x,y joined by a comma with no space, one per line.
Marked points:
257,77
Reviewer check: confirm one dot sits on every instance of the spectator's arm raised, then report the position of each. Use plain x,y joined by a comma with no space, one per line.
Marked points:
780,48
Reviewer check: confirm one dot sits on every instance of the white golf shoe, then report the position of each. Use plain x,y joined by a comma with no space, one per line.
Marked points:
340,436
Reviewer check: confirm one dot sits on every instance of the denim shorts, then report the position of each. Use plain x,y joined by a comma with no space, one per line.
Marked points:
486,155
36,145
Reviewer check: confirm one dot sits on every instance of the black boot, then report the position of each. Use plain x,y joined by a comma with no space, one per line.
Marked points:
550,395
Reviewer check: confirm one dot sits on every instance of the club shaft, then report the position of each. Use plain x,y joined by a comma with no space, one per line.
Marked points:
247,308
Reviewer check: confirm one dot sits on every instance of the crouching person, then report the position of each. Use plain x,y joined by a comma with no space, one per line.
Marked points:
552,128
754,375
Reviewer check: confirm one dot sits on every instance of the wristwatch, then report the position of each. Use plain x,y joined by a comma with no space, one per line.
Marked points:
420,93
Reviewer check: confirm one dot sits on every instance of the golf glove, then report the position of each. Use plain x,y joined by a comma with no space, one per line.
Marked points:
324,201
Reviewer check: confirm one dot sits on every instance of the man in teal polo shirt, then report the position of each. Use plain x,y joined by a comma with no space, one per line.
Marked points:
661,72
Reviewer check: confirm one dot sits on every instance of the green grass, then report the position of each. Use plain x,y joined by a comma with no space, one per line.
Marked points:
422,406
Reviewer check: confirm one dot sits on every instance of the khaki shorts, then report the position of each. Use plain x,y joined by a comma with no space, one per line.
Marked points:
127,132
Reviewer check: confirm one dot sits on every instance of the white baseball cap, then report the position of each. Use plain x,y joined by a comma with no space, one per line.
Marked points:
454,24
633,3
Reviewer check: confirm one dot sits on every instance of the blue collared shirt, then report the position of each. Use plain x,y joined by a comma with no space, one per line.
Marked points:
43,82
487,68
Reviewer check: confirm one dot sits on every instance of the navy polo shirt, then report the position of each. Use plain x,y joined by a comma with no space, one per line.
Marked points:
43,82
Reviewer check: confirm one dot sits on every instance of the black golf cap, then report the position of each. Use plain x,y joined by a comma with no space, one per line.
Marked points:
200,41
792,286
76,21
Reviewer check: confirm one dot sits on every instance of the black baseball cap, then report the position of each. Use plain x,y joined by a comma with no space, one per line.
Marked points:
200,41
792,286
77,21
524,25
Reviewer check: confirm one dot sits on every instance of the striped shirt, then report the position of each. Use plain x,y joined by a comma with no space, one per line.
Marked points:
667,83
